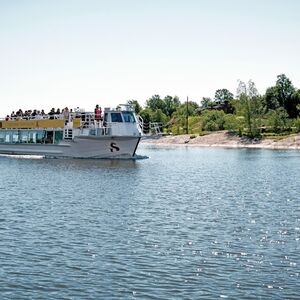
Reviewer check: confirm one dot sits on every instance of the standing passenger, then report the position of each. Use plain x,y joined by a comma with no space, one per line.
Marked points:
98,113
66,115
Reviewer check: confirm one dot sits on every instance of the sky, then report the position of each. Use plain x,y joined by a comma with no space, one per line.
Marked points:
79,53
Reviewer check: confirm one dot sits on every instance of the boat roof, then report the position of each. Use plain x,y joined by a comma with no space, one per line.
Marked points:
120,107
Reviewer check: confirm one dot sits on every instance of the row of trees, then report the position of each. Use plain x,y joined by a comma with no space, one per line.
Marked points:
248,113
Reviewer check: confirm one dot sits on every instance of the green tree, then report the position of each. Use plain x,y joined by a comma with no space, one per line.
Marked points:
278,119
250,106
206,103
159,117
155,102
152,116
170,105
297,124
146,115
284,95
149,116
136,105
192,109
285,89
271,98
293,106
234,123
222,96
213,120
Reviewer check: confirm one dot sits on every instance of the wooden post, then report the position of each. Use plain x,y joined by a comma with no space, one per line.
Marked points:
187,115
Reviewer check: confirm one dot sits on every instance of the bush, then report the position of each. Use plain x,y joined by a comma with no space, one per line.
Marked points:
195,124
211,126
234,124
214,120
278,120
297,124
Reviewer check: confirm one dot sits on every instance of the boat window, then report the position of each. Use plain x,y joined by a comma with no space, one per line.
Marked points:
23,136
49,137
15,137
40,137
2,137
128,117
116,117
58,136
105,117
32,137
7,137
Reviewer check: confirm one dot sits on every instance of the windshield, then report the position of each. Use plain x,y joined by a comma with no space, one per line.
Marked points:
128,117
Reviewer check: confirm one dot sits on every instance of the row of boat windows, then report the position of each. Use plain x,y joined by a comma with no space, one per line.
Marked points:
31,136
117,117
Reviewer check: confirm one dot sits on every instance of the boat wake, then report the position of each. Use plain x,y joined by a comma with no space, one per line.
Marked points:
137,157
23,156
125,157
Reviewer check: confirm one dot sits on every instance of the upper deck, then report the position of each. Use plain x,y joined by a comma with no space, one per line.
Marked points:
120,121
112,118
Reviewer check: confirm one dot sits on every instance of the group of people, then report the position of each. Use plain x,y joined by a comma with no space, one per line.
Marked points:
53,113
27,114
38,114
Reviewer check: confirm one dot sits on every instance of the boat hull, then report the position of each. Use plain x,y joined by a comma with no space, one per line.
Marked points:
80,147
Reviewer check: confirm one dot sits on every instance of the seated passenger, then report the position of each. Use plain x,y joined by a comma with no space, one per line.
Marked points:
33,114
51,113
38,115
26,115
57,113
19,114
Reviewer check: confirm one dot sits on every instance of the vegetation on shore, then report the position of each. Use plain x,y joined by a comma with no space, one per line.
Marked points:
247,114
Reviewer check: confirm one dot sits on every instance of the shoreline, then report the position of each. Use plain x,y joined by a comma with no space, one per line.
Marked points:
224,140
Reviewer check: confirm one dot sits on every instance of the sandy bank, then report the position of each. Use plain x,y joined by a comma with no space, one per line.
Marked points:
222,139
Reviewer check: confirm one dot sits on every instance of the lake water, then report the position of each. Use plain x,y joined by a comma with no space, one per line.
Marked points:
187,223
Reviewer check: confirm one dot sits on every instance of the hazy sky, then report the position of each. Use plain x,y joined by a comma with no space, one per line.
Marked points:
57,53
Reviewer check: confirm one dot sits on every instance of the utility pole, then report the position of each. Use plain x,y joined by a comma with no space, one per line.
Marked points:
187,115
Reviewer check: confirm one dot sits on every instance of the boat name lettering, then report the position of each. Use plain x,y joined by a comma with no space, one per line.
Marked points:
114,146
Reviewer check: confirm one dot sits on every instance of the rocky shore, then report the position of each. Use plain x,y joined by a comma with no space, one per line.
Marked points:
223,139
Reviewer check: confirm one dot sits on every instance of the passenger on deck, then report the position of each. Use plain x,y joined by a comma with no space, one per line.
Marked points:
98,113
38,115
19,114
57,113
25,115
77,112
65,112
33,114
51,113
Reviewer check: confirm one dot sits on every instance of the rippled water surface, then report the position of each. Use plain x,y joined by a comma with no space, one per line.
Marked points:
187,223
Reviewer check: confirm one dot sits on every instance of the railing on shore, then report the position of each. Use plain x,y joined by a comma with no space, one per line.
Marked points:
152,128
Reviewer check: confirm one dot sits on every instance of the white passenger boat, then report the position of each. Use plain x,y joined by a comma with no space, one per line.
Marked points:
117,135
